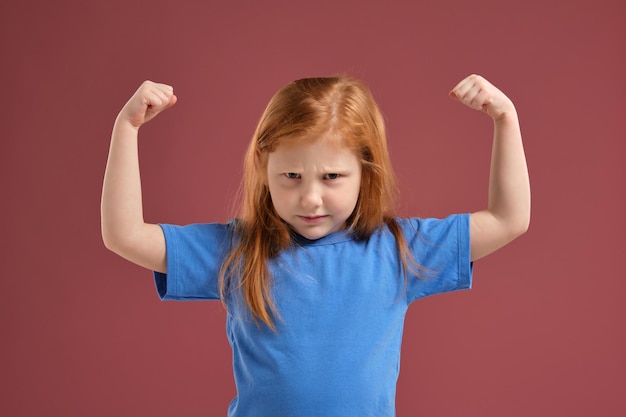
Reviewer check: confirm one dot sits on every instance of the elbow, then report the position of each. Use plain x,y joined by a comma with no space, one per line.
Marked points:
112,241
520,227
117,236
108,243
518,220
526,225
109,240
120,244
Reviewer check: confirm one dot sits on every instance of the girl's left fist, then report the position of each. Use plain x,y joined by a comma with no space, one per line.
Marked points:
476,92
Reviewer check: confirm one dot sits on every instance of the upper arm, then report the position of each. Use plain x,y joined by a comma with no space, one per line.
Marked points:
489,233
144,247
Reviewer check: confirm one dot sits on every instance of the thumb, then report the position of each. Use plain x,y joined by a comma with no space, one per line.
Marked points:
173,101
151,111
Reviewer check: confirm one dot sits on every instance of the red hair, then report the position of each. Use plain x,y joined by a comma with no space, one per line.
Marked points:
302,110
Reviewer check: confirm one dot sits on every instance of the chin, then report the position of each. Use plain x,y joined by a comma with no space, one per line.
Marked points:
313,235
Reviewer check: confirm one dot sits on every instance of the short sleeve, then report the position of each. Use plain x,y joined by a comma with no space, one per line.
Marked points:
441,247
194,254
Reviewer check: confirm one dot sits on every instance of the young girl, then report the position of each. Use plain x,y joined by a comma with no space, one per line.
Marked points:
317,272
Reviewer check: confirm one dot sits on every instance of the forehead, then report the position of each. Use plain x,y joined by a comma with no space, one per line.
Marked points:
319,151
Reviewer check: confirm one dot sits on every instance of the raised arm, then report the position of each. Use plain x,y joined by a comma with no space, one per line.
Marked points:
507,215
123,228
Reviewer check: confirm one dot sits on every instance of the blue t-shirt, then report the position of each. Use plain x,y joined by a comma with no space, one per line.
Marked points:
342,303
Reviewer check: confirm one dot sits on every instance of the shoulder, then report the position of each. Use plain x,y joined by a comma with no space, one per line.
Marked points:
199,234
434,227
202,228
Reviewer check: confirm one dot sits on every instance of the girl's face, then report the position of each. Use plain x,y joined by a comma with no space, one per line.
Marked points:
314,185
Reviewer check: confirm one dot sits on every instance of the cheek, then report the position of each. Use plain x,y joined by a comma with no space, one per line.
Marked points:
356,191
347,197
280,197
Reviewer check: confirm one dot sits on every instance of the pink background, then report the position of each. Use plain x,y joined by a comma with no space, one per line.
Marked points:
543,332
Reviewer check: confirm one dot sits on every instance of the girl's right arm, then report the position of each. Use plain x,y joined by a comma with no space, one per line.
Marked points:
124,230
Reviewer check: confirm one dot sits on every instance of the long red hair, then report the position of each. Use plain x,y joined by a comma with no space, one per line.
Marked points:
301,110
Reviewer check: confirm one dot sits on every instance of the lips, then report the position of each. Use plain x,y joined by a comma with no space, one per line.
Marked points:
312,219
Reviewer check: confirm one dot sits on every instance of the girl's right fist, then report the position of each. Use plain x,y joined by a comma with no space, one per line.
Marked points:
149,100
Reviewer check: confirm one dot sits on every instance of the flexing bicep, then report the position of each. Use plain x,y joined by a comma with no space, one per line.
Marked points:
144,247
489,233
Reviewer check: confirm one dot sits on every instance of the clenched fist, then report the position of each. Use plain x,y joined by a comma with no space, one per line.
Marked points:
479,94
149,100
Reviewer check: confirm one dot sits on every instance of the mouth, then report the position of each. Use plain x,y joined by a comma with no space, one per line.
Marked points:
312,219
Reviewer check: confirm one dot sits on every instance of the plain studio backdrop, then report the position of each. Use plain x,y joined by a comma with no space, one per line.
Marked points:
543,331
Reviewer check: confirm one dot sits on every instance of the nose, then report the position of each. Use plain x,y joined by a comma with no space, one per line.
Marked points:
311,195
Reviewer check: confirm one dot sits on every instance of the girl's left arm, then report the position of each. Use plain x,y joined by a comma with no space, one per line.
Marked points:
507,215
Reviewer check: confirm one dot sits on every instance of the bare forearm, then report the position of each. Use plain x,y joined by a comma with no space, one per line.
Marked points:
507,215
122,210
509,187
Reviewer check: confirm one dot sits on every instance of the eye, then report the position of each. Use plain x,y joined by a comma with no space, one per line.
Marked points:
331,176
292,175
